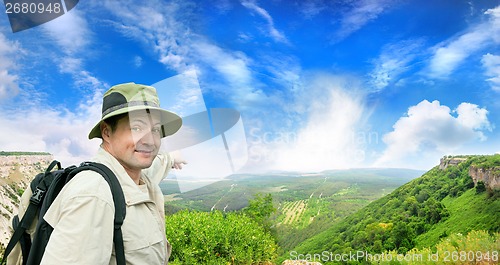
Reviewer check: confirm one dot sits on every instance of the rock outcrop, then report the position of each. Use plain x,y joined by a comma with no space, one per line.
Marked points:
450,161
489,176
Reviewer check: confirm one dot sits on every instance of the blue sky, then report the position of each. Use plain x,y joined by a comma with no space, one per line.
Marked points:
319,84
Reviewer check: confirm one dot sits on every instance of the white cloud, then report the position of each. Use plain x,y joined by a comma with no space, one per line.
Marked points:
472,117
53,128
447,58
431,129
82,78
492,65
164,30
362,13
311,8
275,34
450,54
244,37
167,32
394,60
223,6
8,80
71,32
70,65
233,66
138,61
328,139
73,37
58,131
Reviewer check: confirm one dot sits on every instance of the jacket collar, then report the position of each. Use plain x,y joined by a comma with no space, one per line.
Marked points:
133,194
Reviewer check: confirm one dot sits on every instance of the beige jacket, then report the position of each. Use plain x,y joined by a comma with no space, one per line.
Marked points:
82,216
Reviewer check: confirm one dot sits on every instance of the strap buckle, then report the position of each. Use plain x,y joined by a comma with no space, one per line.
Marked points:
37,196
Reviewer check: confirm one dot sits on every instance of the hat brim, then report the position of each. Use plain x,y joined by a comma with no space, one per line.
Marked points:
170,121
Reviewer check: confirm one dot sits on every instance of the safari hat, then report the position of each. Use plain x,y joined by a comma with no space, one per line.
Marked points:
124,98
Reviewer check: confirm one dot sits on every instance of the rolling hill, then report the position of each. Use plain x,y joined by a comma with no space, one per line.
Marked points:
449,199
306,203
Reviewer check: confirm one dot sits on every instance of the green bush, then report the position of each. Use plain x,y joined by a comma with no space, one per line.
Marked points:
218,238
477,247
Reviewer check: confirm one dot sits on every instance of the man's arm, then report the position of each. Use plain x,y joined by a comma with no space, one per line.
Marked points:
162,165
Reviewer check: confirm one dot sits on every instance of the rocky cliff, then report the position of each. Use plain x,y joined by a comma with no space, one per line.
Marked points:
488,173
16,172
450,161
489,176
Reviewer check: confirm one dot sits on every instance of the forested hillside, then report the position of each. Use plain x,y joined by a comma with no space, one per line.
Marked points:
442,202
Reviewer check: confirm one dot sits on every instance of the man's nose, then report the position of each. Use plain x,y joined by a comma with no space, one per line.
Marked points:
148,138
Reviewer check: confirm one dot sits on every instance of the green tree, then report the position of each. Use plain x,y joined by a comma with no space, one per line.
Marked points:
402,236
480,187
260,207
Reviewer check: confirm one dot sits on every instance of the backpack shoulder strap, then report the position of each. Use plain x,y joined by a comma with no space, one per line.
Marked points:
39,187
118,200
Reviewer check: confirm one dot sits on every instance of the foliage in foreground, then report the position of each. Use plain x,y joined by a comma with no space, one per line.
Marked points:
218,238
477,247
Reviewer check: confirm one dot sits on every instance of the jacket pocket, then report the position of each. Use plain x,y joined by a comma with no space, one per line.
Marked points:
141,228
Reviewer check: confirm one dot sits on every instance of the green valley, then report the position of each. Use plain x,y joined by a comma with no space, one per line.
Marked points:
372,211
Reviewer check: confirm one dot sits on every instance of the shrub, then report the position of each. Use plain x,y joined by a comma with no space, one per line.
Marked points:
218,238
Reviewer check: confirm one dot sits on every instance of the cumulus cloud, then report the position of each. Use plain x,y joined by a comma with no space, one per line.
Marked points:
275,34
447,56
492,65
330,136
432,128
60,132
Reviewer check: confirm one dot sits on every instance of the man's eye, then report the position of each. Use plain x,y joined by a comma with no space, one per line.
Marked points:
156,130
136,129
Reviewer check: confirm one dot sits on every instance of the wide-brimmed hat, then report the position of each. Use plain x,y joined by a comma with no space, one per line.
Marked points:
124,98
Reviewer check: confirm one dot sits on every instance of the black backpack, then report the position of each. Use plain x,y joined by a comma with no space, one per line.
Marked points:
45,188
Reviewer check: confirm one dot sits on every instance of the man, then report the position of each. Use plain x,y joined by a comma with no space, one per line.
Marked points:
82,215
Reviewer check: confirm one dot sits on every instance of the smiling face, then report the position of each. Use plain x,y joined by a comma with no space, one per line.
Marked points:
135,140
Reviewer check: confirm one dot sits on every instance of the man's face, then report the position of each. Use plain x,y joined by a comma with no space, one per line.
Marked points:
136,140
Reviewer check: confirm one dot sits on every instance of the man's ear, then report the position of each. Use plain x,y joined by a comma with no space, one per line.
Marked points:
105,130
